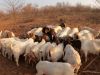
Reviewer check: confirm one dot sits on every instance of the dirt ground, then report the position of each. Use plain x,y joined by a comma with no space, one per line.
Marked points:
8,67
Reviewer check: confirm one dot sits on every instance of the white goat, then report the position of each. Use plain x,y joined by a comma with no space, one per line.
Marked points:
85,34
72,57
90,46
57,29
6,34
18,48
36,31
29,47
54,68
93,31
39,31
73,31
36,49
64,32
56,52
43,50
5,45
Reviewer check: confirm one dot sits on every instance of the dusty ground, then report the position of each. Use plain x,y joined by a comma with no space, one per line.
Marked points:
8,67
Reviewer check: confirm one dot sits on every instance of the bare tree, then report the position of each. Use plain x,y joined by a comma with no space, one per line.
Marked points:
13,7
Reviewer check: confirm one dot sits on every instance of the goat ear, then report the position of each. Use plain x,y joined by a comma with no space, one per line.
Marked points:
1,31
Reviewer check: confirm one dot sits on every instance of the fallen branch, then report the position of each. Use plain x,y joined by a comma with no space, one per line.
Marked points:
90,72
90,63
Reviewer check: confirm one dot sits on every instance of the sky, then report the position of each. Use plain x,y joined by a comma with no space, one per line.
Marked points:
42,3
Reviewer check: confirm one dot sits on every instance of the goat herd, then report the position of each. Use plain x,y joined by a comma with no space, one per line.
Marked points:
54,50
